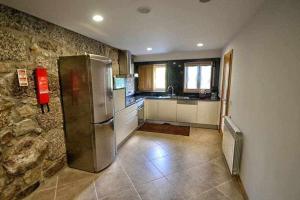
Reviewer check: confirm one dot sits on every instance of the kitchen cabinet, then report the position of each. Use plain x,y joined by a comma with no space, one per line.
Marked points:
151,108
208,112
126,121
126,66
146,78
119,100
115,68
187,111
167,110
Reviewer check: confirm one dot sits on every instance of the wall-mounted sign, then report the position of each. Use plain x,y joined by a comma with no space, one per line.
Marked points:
22,77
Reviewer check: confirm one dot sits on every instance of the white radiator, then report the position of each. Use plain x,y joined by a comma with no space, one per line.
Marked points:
232,146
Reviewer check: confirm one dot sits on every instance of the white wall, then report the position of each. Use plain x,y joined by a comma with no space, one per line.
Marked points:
265,97
179,55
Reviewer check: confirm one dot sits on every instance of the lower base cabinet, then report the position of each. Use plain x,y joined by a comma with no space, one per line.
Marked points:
167,110
187,113
208,112
126,121
203,112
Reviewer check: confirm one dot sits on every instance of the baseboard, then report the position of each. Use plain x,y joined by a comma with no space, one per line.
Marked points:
194,125
241,185
207,126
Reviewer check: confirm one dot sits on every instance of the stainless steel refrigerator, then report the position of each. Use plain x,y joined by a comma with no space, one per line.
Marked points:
87,104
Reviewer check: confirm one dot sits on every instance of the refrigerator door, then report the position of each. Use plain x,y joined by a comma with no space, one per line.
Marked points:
105,144
102,89
76,106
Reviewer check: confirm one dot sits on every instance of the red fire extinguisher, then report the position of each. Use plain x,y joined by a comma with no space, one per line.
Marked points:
42,87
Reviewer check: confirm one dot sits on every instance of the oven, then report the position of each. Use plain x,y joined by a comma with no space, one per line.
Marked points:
140,106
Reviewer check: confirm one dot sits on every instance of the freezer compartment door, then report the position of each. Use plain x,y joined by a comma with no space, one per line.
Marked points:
105,144
102,89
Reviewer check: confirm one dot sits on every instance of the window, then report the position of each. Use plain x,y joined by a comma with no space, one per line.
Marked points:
197,76
159,77
152,77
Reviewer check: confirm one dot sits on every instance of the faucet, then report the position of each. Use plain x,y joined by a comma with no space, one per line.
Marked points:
170,86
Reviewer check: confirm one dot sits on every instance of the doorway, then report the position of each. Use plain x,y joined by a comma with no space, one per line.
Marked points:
225,92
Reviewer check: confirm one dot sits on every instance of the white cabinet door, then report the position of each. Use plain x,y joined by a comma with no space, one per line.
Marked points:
167,110
119,100
186,113
126,121
151,108
208,112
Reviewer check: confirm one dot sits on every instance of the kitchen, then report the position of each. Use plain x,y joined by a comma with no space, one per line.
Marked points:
155,92
146,100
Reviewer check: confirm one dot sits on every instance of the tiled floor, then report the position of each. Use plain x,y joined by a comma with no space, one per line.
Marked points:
152,166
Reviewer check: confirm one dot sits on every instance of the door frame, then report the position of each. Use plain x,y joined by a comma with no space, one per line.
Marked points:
227,58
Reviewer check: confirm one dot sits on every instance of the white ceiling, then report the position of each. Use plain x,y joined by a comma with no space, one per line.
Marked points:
172,25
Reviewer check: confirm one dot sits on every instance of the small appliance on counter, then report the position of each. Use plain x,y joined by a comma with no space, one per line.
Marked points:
214,95
87,102
119,83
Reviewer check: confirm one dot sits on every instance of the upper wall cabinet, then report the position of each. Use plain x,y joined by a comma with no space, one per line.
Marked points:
126,66
146,78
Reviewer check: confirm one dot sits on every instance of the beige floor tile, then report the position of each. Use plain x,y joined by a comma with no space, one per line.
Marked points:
47,194
142,173
113,182
159,189
88,194
152,166
175,163
72,190
188,185
210,173
69,175
48,183
130,194
212,194
153,152
231,190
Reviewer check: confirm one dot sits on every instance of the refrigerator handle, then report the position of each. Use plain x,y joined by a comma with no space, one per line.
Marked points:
105,122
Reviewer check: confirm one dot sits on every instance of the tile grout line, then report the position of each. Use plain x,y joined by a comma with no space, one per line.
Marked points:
95,190
130,181
55,193
216,187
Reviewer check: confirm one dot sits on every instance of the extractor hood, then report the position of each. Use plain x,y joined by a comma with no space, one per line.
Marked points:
125,63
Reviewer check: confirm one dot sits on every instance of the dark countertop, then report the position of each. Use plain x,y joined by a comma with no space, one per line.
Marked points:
130,100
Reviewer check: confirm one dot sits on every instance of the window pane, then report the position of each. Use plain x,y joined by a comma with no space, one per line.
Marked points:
159,77
205,77
191,77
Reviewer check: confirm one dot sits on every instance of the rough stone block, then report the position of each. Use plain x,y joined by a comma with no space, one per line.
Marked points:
25,155
47,45
56,143
12,47
32,176
6,103
26,126
6,135
25,111
52,167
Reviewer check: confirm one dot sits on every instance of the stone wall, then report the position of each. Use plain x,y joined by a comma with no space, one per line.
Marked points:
32,144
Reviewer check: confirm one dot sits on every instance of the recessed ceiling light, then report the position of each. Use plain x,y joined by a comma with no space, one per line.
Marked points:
204,1
144,10
97,18
149,49
200,45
